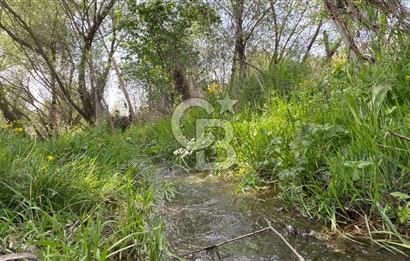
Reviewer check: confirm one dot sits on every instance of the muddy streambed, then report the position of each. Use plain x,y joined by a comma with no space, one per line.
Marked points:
207,210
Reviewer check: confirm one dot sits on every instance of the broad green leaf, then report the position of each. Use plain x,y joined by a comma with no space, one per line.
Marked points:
400,195
379,95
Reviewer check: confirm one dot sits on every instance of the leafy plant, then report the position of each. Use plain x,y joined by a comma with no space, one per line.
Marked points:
403,211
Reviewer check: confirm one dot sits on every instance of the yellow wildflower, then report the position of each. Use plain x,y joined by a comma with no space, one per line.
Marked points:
339,60
8,126
242,171
50,158
18,130
408,77
306,83
213,88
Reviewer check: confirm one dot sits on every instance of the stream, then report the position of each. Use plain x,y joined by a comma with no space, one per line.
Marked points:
207,210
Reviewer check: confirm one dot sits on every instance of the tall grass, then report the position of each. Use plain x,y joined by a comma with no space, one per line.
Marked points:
324,137
328,138
331,149
85,196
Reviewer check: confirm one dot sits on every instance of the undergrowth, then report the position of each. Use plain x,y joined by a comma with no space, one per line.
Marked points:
329,139
333,141
82,196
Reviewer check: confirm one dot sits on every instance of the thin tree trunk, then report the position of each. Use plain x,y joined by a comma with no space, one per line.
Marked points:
9,115
131,112
238,7
312,41
85,97
52,117
330,50
53,106
343,29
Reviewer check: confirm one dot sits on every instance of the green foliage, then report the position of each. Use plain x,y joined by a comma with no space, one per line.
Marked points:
323,143
161,35
80,196
330,136
403,210
278,80
328,151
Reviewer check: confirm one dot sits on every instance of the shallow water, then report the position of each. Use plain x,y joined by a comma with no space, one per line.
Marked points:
207,210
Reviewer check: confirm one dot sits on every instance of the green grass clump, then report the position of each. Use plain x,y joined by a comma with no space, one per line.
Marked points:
326,138
81,196
329,149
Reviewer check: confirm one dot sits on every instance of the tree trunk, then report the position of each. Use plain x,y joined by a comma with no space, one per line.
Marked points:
85,97
52,113
131,112
333,10
239,58
9,114
181,83
312,41
53,106
330,48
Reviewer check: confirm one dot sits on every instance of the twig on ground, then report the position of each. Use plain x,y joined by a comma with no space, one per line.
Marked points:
398,135
269,227
28,256
228,241
300,258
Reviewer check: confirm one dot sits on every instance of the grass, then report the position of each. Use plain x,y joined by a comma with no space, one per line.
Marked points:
320,135
327,138
326,147
84,196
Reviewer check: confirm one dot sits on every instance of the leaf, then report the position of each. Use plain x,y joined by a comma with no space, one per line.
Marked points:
363,164
334,131
403,214
353,108
152,150
389,111
400,195
379,95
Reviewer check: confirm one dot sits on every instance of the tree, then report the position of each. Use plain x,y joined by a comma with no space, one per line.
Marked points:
86,20
159,41
382,20
38,38
245,17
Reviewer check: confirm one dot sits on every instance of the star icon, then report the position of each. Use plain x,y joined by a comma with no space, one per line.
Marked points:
227,104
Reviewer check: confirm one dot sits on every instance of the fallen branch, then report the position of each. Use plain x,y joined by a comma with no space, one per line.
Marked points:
300,258
28,256
269,227
398,135
228,241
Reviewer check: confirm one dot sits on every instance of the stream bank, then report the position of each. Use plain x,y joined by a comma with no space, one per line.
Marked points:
206,210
